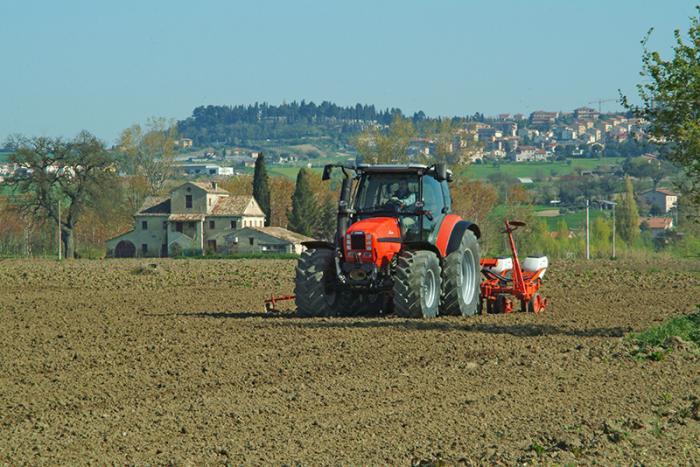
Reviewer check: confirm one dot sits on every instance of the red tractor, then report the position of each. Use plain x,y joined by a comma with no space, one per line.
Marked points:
397,246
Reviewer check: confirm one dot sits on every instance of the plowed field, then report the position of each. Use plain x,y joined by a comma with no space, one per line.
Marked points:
118,362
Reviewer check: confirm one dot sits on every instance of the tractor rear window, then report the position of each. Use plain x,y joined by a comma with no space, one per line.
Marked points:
378,191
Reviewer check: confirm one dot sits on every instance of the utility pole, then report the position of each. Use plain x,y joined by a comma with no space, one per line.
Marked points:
613,206
59,229
588,233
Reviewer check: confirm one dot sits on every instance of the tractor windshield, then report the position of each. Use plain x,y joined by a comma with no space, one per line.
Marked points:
387,193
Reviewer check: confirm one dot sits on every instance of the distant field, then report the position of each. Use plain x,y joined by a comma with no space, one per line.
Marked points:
290,172
575,220
4,156
482,171
531,169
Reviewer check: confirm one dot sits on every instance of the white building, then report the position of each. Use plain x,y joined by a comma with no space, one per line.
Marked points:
195,170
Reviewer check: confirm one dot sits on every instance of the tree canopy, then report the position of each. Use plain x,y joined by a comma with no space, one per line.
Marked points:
671,99
303,218
261,187
149,152
52,171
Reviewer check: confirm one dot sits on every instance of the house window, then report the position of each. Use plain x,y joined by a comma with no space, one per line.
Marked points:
144,248
165,225
252,240
178,227
212,225
188,201
144,225
233,225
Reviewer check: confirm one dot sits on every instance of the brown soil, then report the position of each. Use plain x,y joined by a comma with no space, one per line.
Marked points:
122,362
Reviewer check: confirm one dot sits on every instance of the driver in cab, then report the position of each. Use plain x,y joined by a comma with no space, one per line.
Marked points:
405,198
403,195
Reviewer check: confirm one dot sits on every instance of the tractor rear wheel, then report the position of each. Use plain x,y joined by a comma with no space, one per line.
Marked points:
461,277
314,287
417,284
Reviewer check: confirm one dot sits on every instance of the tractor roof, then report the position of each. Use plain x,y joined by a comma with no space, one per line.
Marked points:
392,168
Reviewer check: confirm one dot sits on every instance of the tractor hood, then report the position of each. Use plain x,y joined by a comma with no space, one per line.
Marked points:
373,240
379,227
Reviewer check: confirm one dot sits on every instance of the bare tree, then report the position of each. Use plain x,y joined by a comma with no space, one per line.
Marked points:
379,147
150,153
51,171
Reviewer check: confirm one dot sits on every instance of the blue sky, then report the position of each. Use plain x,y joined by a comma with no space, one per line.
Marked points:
102,66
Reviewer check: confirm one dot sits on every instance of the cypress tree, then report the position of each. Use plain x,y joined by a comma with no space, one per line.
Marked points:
304,213
261,187
628,215
328,219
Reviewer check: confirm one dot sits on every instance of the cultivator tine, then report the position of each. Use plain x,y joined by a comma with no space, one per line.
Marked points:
270,303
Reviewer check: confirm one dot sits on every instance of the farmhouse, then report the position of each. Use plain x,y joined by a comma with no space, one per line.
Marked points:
657,225
664,200
199,217
528,153
264,239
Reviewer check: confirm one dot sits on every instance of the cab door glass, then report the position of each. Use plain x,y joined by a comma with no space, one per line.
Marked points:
433,203
446,196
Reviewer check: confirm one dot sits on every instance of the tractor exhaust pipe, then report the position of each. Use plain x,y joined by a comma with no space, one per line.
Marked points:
343,207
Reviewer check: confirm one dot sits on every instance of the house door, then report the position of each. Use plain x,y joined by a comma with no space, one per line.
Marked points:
211,246
164,250
125,249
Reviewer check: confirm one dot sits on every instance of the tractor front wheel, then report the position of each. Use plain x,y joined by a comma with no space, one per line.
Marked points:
461,277
417,284
314,287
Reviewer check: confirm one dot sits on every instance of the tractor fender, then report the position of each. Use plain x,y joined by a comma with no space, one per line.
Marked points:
416,246
318,245
458,230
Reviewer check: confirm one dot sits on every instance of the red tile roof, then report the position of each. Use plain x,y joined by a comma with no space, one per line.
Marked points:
658,222
666,192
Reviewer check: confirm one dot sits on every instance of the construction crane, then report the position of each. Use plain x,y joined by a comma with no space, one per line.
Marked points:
600,103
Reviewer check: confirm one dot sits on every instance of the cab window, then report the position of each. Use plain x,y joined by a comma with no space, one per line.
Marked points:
379,191
446,196
432,196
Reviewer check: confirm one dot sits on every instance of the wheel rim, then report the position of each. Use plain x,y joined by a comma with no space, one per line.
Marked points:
466,273
429,287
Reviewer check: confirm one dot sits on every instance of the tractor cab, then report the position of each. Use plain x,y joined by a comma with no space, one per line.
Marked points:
416,195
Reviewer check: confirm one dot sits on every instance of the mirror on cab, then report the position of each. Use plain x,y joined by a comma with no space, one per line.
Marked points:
441,171
327,172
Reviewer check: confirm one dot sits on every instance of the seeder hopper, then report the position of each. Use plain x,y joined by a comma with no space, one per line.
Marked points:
505,279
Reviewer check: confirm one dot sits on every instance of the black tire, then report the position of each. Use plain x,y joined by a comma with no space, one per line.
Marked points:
500,306
531,303
460,296
417,284
314,284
